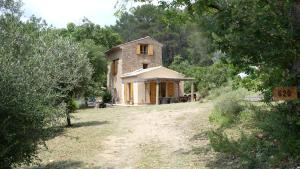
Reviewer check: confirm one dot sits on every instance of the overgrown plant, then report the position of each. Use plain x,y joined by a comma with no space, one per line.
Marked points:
265,36
106,96
207,78
38,72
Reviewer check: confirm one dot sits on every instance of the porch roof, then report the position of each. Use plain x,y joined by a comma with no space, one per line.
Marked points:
170,79
159,73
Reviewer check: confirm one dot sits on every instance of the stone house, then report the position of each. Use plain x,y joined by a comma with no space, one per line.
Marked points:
136,75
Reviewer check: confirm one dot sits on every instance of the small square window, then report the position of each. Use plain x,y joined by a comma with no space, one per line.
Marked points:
145,66
144,49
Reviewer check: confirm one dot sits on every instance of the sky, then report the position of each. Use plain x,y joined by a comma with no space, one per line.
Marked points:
60,12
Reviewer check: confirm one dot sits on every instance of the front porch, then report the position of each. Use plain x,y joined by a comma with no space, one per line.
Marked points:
156,85
167,90
156,91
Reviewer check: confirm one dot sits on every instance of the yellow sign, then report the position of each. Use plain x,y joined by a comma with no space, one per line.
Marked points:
285,93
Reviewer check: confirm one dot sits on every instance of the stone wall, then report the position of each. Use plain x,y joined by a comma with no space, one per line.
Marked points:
129,61
132,61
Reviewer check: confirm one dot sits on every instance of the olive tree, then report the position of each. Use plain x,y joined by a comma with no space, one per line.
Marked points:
39,73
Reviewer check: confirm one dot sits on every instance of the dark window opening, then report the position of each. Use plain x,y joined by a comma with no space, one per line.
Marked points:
144,49
163,88
114,67
145,66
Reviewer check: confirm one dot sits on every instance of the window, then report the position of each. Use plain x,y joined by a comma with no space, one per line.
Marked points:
114,67
144,49
145,66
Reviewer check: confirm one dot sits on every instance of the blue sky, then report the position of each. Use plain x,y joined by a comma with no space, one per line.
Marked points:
60,12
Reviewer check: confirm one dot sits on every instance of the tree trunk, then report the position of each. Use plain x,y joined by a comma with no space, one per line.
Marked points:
69,124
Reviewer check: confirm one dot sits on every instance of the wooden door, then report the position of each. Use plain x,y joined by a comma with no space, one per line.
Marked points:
171,89
128,92
153,92
131,92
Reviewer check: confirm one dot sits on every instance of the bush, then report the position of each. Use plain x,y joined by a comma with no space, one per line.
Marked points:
106,96
206,77
230,104
215,93
38,70
260,136
220,119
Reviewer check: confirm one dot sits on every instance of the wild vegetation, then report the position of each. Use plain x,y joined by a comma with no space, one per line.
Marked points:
262,39
43,69
96,40
170,27
40,72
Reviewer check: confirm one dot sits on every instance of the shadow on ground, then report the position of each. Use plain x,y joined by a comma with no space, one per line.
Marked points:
68,164
207,155
89,123
223,161
53,132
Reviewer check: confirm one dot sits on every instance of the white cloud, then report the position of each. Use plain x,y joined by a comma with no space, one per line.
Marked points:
60,12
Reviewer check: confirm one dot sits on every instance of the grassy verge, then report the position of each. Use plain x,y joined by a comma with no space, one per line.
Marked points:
255,135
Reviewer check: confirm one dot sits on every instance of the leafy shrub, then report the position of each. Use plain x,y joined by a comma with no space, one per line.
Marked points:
267,137
230,104
80,103
106,96
215,93
220,119
206,77
73,105
38,71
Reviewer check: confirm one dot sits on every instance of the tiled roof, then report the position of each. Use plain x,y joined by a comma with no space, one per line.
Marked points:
119,46
140,71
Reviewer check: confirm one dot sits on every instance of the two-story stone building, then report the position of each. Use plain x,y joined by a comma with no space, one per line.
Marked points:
136,75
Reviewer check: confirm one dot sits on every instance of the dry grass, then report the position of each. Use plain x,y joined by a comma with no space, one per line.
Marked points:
165,136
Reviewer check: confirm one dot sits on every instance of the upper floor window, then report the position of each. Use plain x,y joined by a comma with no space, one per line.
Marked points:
145,49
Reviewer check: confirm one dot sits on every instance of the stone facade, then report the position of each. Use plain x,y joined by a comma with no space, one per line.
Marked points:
133,61
128,61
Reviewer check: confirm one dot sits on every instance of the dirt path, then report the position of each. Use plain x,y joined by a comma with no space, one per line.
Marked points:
149,137
159,137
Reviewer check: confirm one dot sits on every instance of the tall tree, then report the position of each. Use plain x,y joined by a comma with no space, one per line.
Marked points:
170,27
96,40
262,34
251,33
38,70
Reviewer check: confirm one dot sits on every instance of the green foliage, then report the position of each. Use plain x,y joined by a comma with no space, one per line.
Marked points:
215,93
265,35
179,64
171,27
96,55
73,105
206,78
239,27
198,47
256,135
267,138
218,118
101,36
228,107
39,71
230,104
95,40
106,96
